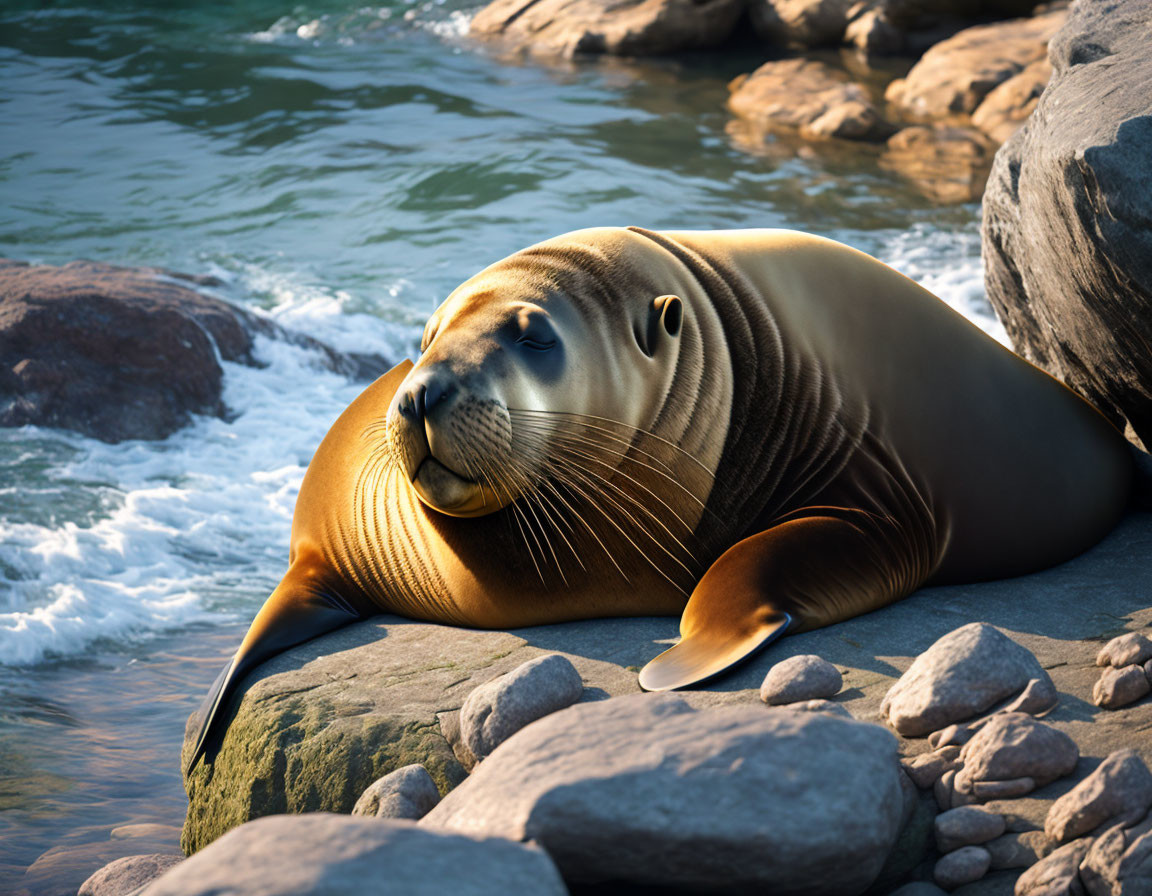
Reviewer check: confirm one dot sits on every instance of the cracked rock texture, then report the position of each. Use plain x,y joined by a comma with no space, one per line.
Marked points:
1066,243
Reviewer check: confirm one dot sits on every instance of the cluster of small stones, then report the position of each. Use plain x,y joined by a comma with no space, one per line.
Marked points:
975,693
1127,676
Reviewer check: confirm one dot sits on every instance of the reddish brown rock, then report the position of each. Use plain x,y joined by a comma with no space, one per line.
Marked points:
957,74
1010,103
947,163
628,28
807,96
124,353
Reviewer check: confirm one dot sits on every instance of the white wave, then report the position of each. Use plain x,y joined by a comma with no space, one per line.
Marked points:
949,265
202,529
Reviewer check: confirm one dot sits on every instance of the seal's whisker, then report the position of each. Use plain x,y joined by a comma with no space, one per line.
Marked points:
627,426
624,511
552,427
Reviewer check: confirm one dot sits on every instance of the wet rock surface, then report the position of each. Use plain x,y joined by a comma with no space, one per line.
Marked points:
574,27
126,875
800,678
408,792
120,353
964,673
497,710
947,162
807,96
646,791
320,853
1067,249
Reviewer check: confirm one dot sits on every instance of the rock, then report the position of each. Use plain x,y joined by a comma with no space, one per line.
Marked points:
497,710
957,74
807,96
837,709
321,854
126,875
1008,104
800,23
630,28
1119,862
1018,850
1119,687
1129,649
408,792
798,678
1057,874
121,353
874,33
947,163
1013,750
644,791
1119,791
961,867
926,769
951,736
966,826
1036,699
1067,248
964,673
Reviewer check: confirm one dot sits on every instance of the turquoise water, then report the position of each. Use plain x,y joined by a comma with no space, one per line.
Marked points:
341,168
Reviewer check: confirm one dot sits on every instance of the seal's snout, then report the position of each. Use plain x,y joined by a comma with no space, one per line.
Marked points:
424,396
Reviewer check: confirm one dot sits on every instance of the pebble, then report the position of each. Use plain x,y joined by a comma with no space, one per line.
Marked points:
1126,650
1012,754
1055,874
961,867
926,769
836,709
127,875
1119,687
966,672
408,792
1118,791
966,826
498,709
1119,862
1019,850
800,678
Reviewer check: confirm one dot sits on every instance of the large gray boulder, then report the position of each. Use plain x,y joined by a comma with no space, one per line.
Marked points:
335,855
126,353
127,875
1066,241
646,791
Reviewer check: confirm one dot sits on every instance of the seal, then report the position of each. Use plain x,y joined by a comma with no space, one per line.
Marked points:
762,431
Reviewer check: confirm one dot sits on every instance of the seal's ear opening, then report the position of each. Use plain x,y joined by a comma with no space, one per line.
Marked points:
664,319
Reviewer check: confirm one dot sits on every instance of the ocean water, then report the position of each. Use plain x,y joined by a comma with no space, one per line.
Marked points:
340,168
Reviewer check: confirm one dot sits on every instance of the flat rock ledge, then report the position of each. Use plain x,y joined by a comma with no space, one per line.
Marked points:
120,353
319,724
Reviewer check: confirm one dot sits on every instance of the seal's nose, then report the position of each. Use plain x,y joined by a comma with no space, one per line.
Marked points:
423,395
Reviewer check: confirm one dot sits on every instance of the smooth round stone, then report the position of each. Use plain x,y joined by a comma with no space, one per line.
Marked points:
800,678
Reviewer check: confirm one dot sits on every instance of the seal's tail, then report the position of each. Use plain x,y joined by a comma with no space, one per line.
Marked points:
1141,479
298,610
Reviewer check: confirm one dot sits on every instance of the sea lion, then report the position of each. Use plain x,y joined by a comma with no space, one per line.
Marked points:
761,430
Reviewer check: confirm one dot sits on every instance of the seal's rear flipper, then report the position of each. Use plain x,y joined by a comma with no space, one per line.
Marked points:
298,610
822,565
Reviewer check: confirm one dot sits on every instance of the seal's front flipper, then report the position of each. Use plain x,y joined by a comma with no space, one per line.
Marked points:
301,608
821,566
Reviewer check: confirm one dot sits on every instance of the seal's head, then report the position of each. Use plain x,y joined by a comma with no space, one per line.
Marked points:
556,353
